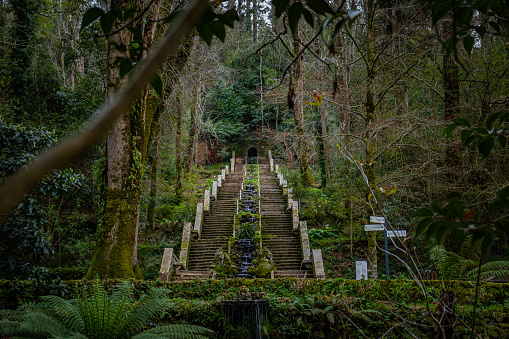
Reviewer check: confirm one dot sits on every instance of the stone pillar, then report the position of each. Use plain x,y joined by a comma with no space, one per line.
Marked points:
227,169
304,241
219,180
277,168
318,269
233,161
206,203
214,190
198,221
184,246
271,162
166,264
223,174
290,198
295,217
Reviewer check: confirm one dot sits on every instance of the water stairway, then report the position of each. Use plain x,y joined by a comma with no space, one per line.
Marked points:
279,234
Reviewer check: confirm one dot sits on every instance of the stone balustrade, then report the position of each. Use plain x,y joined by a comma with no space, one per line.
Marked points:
198,221
169,259
310,257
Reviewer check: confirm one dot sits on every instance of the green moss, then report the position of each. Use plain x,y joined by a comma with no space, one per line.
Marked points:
113,255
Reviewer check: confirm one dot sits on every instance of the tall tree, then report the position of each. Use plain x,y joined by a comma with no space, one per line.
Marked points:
298,108
369,163
23,35
126,150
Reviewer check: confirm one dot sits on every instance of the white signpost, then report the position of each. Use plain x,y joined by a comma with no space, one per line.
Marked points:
361,270
396,234
380,226
374,227
378,220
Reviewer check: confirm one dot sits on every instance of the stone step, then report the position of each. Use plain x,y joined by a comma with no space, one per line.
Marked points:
302,274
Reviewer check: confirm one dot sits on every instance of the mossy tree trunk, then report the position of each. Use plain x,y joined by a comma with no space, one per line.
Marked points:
126,150
369,164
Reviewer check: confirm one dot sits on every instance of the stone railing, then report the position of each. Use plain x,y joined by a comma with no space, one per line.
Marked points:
204,207
169,261
311,258
191,232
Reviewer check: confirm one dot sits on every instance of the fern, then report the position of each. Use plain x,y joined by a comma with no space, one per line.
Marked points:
175,331
494,269
449,264
95,315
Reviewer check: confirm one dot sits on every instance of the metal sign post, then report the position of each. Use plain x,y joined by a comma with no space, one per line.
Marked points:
386,253
381,221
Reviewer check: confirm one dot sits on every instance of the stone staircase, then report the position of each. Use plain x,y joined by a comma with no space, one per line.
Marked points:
217,228
277,227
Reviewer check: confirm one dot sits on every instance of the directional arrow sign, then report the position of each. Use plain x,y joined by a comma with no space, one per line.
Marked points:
378,220
375,227
398,233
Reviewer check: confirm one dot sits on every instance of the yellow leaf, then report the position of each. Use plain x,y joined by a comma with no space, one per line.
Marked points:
392,191
338,147
370,196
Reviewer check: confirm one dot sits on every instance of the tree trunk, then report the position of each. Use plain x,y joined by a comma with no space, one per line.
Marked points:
369,164
325,146
193,129
255,22
450,76
178,143
126,149
153,177
298,111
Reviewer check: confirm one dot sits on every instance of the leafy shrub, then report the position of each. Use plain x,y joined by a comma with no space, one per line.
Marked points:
96,314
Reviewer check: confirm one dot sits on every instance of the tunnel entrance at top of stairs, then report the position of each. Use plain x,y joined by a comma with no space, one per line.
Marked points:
252,152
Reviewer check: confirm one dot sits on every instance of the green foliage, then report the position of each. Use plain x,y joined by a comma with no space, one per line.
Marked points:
441,219
96,314
450,265
26,233
463,19
485,137
225,113
316,234
497,270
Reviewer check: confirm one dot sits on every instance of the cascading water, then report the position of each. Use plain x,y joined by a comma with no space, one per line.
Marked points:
245,247
245,317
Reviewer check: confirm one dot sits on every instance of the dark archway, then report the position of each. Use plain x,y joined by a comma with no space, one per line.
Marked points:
252,152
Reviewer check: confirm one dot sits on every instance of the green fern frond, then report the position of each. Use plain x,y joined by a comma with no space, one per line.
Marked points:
95,315
494,269
145,309
449,264
176,331
65,311
34,325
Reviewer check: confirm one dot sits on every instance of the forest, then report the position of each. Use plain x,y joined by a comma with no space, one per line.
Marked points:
117,115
